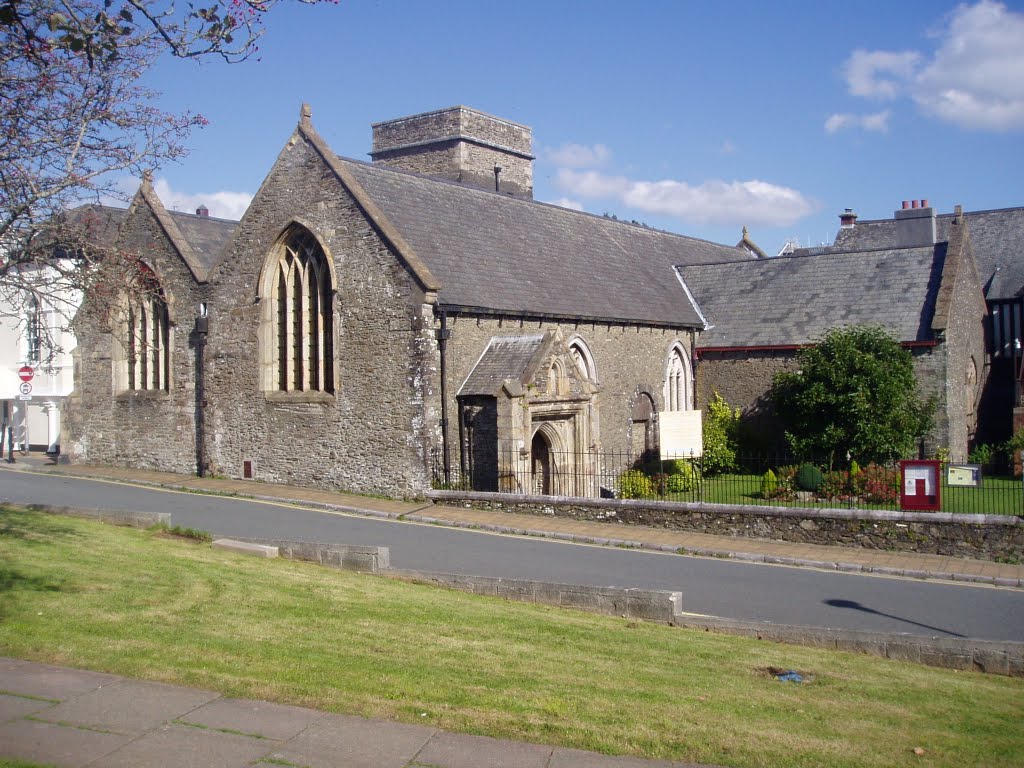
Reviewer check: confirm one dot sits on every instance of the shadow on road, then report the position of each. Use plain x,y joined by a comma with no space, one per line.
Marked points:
858,607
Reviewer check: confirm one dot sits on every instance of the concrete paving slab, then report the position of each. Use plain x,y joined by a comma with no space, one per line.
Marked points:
48,682
340,740
260,718
577,758
182,746
128,706
13,707
59,745
459,750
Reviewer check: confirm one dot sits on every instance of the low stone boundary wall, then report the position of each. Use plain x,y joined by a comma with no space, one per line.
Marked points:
647,604
344,556
112,516
981,537
992,656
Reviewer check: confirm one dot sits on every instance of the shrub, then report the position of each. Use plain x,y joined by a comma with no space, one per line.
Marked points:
878,485
983,453
634,484
769,485
835,485
786,476
854,468
720,428
681,476
809,478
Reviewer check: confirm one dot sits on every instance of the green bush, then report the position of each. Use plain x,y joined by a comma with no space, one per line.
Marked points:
854,468
681,476
634,484
835,485
983,453
720,429
809,478
769,485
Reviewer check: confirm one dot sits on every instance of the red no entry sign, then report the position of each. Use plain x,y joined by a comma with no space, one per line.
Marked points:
25,373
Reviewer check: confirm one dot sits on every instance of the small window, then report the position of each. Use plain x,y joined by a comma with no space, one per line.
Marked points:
677,380
583,359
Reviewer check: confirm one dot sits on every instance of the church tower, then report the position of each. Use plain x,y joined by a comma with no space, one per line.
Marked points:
459,144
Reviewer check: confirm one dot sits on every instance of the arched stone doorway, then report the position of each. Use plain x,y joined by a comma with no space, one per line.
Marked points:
541,463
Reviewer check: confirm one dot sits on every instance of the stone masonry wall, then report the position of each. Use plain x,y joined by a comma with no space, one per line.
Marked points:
983,537
371,435
145,429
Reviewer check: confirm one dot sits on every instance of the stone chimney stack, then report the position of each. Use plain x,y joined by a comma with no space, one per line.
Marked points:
459,144
847,219
915,224
202,210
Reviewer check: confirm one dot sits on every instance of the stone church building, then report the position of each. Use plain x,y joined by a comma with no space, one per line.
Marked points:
381,326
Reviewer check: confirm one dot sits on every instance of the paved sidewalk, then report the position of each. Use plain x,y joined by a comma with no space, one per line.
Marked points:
847,559
71,718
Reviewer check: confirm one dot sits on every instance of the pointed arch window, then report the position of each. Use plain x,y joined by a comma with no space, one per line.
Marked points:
583,358
677,380
302,323
146,346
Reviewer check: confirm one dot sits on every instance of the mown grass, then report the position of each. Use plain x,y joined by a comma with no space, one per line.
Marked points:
137,603
996,496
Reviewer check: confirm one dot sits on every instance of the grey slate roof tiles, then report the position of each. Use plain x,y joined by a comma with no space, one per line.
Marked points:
997,237
795,300
505,358
208,236
503,254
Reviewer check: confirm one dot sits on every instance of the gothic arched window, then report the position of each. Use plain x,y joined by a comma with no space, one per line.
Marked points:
301,289
677,381
584,360
145,357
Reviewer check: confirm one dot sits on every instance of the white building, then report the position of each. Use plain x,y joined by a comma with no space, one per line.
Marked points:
35,344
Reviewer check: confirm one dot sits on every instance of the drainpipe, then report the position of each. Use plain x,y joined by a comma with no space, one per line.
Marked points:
443,334
202,327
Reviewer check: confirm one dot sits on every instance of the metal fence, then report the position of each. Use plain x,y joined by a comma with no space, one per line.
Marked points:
758,480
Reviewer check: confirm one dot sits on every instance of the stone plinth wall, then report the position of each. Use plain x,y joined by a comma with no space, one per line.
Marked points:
648,604
981,537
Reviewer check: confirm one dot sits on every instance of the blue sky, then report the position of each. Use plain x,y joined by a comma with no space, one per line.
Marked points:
695,117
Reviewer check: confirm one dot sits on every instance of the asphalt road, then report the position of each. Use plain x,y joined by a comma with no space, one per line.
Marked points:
713,587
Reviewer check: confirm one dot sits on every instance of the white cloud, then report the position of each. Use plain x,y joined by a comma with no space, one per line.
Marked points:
579,156
878,74
974,78
727,148
877,122
713,202
565,202
223,204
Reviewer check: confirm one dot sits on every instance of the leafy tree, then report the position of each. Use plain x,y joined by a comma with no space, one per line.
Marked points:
75,117
855,394
720,433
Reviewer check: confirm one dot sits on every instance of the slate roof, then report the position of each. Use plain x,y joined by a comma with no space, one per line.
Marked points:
207,235
501,254
506,358
795,300
997,237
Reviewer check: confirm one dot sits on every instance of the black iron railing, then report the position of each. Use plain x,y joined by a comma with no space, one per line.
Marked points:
757,480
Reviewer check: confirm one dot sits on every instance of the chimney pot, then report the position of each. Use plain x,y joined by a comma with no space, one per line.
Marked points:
924,203
202,210
906,204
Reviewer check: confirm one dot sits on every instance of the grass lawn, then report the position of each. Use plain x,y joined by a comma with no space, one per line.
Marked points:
996,496
149,606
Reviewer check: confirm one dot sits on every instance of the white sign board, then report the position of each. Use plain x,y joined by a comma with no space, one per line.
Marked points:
913,474
681,434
